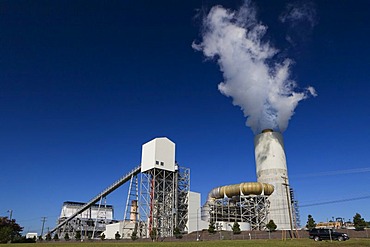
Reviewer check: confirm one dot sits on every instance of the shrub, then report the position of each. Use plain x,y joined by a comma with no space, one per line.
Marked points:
56,237
177,233
271,226
117,236
211,228
236,228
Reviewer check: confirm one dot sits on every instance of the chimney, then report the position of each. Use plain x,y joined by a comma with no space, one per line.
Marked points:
271,168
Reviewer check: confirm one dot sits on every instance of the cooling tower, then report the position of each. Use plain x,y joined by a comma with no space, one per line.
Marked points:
271,168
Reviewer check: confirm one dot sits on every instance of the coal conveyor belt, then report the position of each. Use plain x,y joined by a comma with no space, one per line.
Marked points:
105,192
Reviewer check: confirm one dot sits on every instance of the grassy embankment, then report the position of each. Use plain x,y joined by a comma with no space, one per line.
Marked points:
227,243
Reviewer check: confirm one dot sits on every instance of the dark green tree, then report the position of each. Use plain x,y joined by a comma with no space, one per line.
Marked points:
78,235
40,239
9,230
310,223
66,237
271,226
23,239
117,236
56,237
359,222
236,228
177,233
134,236
134,233
48,237
153,234
211,227
102,236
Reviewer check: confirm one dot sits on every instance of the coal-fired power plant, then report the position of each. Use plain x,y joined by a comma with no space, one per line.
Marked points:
159,199
271,168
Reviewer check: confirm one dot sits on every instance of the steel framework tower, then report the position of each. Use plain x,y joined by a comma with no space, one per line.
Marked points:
252,209
164,190
163,201
183,188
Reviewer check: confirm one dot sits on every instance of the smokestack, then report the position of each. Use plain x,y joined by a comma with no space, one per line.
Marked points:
133,213
271,168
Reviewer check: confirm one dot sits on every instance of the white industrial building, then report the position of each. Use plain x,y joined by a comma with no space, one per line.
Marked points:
104,212
31,235
89,222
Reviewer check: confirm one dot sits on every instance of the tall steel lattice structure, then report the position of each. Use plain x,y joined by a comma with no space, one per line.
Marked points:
163,204
252,209
163,200
183,188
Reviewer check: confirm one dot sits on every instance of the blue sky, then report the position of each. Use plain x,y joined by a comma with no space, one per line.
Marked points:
83,84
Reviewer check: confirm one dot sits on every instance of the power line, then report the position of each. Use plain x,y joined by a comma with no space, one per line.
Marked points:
333,173
334,201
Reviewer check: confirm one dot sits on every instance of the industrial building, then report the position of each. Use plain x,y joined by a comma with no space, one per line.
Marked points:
89,222
159,200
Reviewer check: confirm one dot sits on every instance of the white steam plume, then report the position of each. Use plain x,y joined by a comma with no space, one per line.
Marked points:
300,18
260,86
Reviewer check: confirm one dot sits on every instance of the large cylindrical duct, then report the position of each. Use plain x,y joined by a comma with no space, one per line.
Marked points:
234,191
251,188
271,168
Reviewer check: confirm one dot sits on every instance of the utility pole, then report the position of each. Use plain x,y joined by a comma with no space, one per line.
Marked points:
10,214
288,201
43,219
197,224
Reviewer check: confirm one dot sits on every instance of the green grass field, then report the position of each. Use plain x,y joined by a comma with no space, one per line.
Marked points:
227,243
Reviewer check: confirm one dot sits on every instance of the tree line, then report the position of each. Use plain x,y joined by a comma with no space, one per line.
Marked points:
358,222
10,231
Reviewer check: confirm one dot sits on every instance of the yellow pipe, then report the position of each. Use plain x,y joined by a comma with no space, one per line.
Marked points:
251,188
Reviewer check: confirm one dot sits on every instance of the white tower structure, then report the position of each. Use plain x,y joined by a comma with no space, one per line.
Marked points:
163,202
271,168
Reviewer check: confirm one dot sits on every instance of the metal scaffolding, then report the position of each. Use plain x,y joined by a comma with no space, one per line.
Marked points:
252,209
163,202
182,200
295,210
130,215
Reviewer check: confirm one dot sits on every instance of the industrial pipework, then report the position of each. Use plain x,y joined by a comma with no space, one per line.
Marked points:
251,188
238,202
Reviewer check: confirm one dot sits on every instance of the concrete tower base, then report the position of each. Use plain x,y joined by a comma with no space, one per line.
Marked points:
271,168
